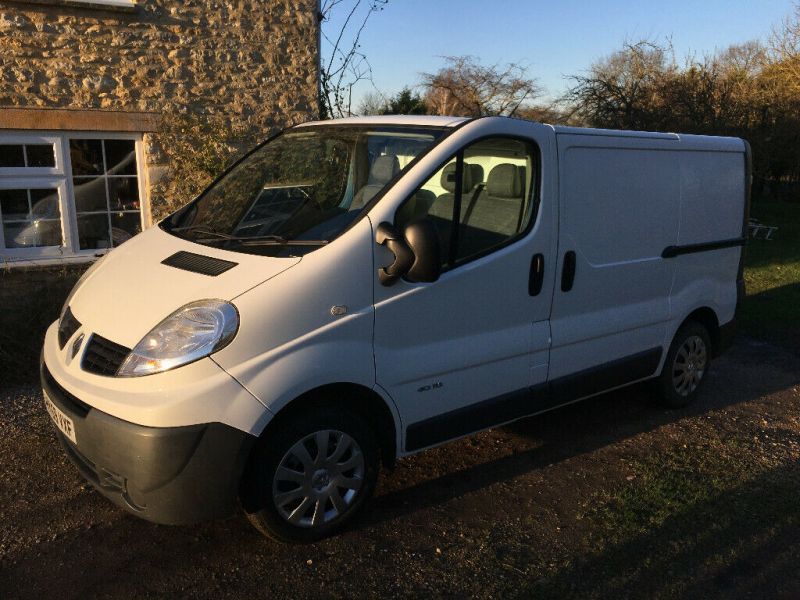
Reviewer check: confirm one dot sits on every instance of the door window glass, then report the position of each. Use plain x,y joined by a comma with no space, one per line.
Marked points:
479,200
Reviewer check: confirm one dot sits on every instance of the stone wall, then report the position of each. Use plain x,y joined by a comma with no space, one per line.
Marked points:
247,67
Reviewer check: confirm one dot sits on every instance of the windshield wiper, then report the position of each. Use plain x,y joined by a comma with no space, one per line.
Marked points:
202,229
277,240
264,240
255,240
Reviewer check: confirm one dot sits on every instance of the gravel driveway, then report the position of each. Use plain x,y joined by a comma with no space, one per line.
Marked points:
507,513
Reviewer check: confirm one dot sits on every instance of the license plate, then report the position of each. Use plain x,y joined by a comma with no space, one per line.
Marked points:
62,421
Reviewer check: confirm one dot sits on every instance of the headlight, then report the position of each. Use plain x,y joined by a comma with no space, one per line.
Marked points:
189,334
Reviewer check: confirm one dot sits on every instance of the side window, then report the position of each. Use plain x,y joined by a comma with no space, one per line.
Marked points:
491,204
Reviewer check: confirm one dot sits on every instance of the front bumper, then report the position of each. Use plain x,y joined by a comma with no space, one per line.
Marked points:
169,475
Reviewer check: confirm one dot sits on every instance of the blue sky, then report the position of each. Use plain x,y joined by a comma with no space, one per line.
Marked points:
552,38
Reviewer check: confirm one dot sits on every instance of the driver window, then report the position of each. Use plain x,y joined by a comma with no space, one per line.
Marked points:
492,204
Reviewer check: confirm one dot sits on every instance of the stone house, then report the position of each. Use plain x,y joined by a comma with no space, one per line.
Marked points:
87,88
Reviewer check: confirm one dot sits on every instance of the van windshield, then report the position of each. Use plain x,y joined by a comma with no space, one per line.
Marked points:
300,190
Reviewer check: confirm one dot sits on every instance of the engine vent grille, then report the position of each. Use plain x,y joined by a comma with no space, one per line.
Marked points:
197,263
67,328
103,357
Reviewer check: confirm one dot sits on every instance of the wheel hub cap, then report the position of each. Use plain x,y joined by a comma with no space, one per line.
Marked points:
689,365
318,479
321,480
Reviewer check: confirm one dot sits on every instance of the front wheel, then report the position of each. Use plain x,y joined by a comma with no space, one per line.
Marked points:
310,475
686,365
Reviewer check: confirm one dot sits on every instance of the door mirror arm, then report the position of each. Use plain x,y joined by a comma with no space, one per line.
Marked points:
389,236
417,252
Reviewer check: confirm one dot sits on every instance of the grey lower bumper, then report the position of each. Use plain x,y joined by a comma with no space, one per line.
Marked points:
170,475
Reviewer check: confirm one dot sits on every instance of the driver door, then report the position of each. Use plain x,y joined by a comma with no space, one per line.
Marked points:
461,354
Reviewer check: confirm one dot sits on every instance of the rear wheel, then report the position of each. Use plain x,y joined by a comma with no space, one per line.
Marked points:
310,475
686,366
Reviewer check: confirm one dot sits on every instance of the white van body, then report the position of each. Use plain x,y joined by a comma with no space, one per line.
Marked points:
631,235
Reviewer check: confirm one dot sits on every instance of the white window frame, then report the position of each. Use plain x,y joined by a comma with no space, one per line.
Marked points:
40,183
60,178
27,140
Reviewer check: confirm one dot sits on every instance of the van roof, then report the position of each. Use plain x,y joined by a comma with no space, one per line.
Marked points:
409,120
698,142
687,141
615,132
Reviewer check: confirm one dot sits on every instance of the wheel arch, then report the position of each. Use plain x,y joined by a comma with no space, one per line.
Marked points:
359,399
708,319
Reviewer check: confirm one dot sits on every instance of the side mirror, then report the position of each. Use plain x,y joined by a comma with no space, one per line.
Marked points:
417,252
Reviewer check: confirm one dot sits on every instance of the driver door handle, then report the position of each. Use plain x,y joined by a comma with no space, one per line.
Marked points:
536,275
568,271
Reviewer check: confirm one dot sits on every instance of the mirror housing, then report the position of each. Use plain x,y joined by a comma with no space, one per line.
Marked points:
423,239
416,250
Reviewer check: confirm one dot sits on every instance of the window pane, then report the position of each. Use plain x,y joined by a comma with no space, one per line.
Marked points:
90,194
86,157
32,234
44,204
11,156
123,193
40,155
14,204
93,232
121,157
124,225
31,229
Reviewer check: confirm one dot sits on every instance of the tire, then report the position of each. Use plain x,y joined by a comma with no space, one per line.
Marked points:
291,495
686,366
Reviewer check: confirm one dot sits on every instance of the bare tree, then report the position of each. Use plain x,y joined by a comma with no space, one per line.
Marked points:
785,47
746,91
551,113
467,88
344,64
619,91
372,103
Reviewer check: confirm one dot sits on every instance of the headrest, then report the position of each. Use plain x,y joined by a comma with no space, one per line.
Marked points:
473,175
383,169
476,173
504,181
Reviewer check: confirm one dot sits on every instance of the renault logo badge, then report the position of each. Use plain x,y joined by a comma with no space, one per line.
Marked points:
76,346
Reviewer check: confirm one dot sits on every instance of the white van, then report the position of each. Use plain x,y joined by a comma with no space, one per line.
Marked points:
358,290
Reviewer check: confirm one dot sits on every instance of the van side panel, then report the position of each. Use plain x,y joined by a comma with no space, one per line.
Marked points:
712,209
712,196
619,209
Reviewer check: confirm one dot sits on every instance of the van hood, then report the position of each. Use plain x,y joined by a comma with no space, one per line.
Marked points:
132,291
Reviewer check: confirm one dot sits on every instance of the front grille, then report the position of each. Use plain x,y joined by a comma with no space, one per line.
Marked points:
67,328
103,357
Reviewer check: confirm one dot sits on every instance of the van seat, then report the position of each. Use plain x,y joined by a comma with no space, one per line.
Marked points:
382,171
494,215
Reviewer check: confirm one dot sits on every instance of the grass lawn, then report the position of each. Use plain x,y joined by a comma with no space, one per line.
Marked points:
772,309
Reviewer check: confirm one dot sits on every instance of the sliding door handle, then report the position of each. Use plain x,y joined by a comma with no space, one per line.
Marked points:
537,275
568,272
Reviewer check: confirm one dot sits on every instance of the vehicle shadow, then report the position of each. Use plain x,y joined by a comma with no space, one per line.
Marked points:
767,313
585,427
739,544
